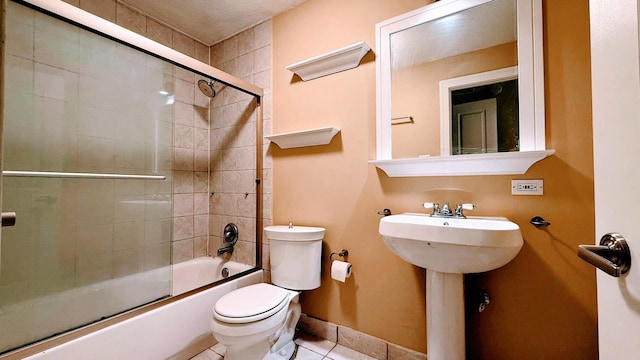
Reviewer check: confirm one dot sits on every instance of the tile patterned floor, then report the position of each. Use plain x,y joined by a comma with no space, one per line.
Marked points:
309,348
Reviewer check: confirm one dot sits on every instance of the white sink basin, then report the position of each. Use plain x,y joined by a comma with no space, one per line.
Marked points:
452,245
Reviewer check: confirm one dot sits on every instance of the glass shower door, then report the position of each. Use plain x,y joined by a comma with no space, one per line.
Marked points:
88,135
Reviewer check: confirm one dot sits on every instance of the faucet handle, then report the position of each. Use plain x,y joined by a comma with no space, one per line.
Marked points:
430,205
466,206
460,207
434,206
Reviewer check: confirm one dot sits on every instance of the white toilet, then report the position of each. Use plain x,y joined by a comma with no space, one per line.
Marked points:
258,321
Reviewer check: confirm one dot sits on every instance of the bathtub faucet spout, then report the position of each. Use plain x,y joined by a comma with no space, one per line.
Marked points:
225,249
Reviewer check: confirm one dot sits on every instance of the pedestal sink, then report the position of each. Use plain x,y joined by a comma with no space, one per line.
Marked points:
449,247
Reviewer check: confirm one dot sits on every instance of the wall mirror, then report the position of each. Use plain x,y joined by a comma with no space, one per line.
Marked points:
460,89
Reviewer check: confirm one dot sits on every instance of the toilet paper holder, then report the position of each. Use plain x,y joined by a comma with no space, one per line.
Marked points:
342,254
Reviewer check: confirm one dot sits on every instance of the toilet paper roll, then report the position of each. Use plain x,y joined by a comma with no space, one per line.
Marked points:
340,270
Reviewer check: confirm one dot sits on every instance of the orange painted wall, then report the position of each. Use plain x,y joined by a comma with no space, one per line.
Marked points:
544,303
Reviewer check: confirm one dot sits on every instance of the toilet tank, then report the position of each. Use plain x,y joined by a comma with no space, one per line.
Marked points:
295,256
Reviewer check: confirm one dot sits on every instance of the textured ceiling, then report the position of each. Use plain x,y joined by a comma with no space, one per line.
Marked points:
211,21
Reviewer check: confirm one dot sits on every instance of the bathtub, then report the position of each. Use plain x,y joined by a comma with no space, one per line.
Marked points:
177,330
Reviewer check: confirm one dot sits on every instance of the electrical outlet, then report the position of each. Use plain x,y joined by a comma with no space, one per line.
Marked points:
527,187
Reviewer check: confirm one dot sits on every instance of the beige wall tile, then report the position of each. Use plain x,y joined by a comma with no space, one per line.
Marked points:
244,65
216,55
201,52
262,59
106,9
20,28
201,116
245,252
213,245
131,19
129,235
182,250
230,67
247,181
201,139
182,182
157,231
263,80
229,182
362,342
184,74
267,106
200,203
247,205
128,262
246,158
262,35
215,207
184,91
183,137
183,113
182,204
201,182
200,99
229,49
245,41
183,43
200,245
397,352
201,160
317,327
159,32
201,225
182,227
230,204
75,3
183,159
216,225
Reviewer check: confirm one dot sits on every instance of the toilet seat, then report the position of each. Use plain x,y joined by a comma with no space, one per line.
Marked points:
250,303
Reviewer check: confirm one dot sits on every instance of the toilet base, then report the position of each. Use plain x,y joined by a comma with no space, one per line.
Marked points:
285,353
277,346
284,348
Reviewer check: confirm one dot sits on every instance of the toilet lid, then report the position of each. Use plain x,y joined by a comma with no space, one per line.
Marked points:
250,303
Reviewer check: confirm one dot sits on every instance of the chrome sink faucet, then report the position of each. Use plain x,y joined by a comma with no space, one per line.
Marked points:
446,211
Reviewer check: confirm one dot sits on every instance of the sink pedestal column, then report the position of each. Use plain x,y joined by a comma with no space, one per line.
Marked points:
445,316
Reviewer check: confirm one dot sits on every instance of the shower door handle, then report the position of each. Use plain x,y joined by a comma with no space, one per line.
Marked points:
8,218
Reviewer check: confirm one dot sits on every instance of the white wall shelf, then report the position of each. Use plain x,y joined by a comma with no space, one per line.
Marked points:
332,62
501,163
311,137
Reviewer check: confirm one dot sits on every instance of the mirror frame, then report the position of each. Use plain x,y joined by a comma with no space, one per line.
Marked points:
530,98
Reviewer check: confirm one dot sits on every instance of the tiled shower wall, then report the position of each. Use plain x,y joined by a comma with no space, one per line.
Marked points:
246,55
191,123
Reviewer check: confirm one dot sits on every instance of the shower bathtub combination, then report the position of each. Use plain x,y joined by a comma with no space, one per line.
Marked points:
178,330
102,129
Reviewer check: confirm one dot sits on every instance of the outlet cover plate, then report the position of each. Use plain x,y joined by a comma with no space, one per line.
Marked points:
527,187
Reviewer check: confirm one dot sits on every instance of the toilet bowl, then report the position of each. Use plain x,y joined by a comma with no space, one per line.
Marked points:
257,322
248,321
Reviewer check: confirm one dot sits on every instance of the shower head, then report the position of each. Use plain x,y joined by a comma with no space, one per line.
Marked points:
207,88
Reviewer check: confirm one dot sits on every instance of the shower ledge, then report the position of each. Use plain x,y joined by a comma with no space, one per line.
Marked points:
311,137
332,62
